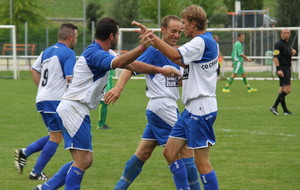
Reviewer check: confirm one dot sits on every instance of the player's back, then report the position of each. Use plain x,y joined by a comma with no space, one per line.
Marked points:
53,72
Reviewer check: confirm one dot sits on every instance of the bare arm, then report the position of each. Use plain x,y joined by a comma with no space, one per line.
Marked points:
278,70
245,57
113,94
36,76
169,51
129,57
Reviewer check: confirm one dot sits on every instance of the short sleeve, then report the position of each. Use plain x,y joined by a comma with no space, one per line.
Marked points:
37,65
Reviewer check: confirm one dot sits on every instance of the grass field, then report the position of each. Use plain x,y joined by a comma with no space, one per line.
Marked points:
255,150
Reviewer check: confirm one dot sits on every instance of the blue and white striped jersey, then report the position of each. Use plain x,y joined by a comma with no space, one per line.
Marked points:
90,76
159,86
54,64
200,57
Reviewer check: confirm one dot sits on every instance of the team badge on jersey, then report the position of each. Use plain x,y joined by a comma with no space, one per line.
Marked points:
171,82
276,52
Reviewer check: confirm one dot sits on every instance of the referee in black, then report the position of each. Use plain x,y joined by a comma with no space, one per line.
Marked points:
283,59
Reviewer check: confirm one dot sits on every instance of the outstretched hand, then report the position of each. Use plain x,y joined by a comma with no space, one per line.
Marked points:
146,34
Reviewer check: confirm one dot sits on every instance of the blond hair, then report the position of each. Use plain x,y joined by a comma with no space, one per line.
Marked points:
197,14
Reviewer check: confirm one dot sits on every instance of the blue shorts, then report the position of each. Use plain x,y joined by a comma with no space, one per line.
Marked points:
47,110
197,130
156,129
75,124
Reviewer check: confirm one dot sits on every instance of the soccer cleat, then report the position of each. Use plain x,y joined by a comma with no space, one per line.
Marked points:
252,90
225,90
20,160
104,127
287,113
274,110
39,187
41,176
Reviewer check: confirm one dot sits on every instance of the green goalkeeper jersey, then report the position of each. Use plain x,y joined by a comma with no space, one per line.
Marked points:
237,52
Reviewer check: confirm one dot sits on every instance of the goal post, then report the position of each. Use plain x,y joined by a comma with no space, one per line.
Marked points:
16,73
258,45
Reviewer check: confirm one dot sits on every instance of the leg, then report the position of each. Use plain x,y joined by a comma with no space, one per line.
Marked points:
134,165
187,156
207,174
229,82
46,155
285,92
22,154
82,161
171,153
102,114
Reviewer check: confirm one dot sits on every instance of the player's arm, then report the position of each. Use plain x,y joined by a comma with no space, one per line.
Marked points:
293,51
245,57
36,76
277,65
169,51
113,94
129,57
141,67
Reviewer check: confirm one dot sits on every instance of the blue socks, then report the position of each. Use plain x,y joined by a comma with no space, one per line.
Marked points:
36,146
192,173
210,181
58,180
132,169
46,154
180,175
74,178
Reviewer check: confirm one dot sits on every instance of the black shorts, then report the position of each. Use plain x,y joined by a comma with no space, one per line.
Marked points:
286,80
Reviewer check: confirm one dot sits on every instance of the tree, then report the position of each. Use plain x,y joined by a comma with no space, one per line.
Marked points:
245,5
93,13
125,11
22,11
288,13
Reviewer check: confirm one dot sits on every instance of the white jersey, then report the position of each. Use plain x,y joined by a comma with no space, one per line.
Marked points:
159,86
54,65
200,57
90,76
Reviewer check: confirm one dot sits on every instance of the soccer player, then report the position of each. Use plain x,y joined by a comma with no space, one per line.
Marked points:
51,73
283,60
195,124
162,110
85,92
238,57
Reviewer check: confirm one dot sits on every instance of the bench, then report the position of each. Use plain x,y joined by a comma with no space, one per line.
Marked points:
19,47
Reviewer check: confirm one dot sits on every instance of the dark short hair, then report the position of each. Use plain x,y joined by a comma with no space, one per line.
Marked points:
166,20
65,30
105,27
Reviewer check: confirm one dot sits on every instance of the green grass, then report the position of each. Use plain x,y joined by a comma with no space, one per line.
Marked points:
255,150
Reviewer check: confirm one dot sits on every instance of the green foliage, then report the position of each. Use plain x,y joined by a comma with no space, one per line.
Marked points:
23,11
93,13
245,5
254,150
125,11
288,13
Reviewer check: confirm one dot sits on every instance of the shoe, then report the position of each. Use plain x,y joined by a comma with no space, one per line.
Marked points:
287,113
39,187
225,90
252,90
20,160
274,110
104,127
41,176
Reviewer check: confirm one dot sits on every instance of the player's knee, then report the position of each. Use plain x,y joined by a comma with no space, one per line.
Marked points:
169,155
56,137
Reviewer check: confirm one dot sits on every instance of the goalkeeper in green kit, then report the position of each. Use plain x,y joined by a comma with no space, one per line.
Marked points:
103,107
238,57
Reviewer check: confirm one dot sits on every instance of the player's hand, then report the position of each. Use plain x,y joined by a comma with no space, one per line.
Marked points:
170,72
249,60
142,27
112,96
280,73
293,51
146,38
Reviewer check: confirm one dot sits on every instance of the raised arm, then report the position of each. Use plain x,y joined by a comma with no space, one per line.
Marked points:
169,51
